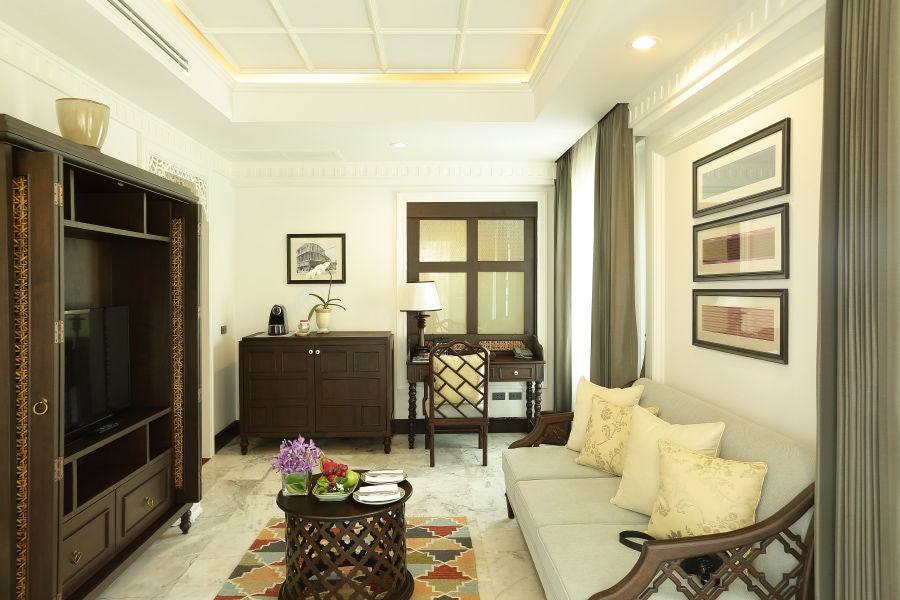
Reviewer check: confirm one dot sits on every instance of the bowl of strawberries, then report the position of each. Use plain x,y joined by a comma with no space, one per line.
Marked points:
336,482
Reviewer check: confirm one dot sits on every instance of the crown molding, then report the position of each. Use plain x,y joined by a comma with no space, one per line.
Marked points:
385,174
751,30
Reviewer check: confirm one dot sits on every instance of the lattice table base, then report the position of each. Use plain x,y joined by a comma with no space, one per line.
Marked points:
355,558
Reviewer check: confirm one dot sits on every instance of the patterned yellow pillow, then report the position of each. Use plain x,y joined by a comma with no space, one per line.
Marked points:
701,494
607,436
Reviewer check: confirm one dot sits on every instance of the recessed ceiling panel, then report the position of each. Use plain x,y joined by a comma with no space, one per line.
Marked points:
499,52
215,13
262,51
327,13
425,52
417,13
340,52
525,13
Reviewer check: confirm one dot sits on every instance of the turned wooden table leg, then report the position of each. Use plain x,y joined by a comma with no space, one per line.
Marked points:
185,524
529,400
412,415
537,400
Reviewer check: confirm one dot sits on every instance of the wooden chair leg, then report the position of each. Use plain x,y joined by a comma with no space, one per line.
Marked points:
484,446
431,448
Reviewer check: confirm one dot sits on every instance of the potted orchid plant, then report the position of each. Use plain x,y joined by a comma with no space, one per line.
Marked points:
295,461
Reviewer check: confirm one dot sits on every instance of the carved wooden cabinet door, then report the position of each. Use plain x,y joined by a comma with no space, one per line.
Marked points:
37,199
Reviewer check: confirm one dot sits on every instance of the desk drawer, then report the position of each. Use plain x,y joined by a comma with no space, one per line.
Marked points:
513,373
143,498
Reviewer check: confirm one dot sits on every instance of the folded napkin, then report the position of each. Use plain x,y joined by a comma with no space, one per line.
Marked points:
380,477
385,471
384,489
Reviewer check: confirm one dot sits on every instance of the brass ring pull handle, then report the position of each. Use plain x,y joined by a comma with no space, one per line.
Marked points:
310,351
40,407
76,556
148,501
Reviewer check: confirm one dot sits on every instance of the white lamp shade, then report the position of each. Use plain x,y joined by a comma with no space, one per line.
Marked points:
420,296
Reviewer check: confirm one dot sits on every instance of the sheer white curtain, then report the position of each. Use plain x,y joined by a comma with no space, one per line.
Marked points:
583,175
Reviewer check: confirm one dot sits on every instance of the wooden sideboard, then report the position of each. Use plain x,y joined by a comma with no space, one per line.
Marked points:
338,384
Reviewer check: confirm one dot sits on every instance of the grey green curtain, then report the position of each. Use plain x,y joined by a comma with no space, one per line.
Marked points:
562,277
614,344
853,553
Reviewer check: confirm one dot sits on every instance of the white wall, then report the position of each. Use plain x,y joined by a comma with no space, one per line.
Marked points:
765,66
777,395
372,215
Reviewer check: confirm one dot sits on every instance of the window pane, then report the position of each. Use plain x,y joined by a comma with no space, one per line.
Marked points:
442,241
501,240
451,289
501,302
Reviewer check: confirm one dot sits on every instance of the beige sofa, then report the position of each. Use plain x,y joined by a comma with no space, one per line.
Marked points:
572,529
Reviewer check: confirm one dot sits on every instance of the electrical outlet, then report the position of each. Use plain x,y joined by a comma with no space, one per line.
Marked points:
498,396
515,395
223,329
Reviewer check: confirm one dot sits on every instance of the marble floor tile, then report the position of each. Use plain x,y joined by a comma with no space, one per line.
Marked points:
239,498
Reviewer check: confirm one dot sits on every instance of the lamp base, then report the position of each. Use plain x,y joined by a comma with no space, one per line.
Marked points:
421,350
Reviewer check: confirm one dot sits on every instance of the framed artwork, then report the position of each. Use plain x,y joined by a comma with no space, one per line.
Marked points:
752,245
751,169
747,322
316,258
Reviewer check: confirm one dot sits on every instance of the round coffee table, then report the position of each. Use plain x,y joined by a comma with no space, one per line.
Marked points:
345,549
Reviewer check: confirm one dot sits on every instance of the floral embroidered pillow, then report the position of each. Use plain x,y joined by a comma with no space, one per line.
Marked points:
701,494
606,439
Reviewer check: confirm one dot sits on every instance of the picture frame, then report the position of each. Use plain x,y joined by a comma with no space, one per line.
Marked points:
308,252
752,323
751,169
752,245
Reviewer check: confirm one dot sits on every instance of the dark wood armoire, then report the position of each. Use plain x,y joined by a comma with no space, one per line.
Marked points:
100,440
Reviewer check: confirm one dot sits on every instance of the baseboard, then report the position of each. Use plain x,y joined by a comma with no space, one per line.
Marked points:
231,431
496,425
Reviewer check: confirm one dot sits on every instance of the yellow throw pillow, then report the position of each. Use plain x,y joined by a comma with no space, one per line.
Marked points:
640,476
584,393
701,494
607,436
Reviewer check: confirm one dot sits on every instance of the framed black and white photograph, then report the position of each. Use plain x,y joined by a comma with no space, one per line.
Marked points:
751,245
751,323
316,258
751,169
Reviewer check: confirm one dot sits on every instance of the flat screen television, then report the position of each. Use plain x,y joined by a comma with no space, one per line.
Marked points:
98,368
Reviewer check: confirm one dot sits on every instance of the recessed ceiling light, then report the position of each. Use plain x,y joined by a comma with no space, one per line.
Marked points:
644,42
398,145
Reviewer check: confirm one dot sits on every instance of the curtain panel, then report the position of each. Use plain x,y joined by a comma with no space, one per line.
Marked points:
614,345
853,551
562,284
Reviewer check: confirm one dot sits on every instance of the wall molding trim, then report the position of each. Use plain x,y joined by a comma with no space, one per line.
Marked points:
761,22
385,174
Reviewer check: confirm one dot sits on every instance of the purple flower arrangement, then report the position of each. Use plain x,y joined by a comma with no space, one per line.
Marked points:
296,456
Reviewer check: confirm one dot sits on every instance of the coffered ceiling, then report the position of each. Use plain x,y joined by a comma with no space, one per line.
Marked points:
419,39
340,80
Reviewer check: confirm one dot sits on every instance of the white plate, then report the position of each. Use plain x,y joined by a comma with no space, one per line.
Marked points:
378,502
383,478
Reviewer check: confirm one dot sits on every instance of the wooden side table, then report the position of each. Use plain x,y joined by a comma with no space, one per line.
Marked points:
345,550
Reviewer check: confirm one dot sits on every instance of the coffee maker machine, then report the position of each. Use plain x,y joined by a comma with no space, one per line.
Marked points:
276,321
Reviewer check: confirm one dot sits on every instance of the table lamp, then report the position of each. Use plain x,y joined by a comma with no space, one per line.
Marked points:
420,297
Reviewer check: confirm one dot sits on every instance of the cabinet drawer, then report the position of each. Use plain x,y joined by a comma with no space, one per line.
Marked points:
88,540
142,498
523,373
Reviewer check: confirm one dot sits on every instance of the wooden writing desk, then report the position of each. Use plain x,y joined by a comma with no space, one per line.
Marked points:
505,368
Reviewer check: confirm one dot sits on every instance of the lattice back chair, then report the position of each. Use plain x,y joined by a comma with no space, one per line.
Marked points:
456,392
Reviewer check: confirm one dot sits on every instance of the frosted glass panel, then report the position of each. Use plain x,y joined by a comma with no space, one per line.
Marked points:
501,302
451,289
442,241
501,240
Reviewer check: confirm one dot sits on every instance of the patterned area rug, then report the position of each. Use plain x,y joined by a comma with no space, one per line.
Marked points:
439,556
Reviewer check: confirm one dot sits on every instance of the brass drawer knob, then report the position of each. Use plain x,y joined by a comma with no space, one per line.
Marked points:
148,501
76,556
515,373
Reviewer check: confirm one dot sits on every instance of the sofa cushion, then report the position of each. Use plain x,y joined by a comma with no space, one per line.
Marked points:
584,394
640,477
607,436
701,494
574,501
544,462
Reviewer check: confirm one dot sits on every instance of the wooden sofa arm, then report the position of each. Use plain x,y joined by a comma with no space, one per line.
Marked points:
552,428
660,560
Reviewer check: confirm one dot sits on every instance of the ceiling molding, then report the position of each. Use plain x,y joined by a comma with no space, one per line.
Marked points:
406,174
751,30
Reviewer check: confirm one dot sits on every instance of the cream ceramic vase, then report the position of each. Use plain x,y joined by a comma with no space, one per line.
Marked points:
83,121
323,319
